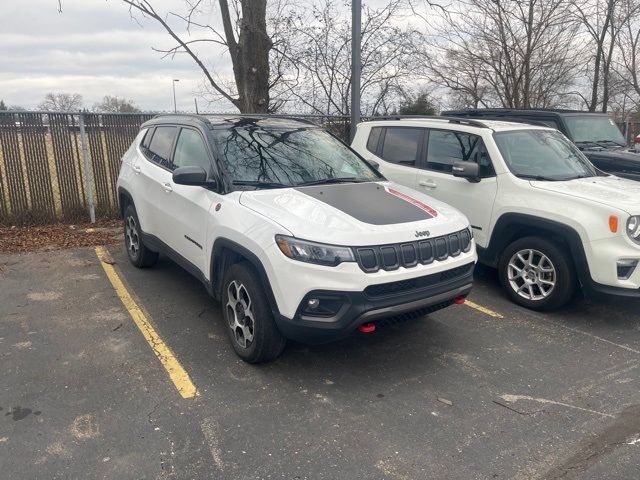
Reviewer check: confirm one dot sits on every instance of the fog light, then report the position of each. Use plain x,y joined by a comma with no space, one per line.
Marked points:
626,267
322,305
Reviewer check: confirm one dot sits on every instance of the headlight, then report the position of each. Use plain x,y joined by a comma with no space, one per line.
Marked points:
312,252
633,228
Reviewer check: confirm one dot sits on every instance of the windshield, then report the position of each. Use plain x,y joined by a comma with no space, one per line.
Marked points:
598,129
542,155
285,157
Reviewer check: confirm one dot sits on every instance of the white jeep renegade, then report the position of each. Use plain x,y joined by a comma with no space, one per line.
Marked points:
294,233
541,212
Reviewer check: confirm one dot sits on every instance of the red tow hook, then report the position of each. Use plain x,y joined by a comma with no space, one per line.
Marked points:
459,300
367,328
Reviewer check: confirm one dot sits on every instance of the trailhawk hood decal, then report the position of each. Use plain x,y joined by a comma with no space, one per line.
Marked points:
356,213
612,191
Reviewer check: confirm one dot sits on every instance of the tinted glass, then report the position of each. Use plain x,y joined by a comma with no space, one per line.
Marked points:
401,145
161,143
594,128
191,151
147,138
542,153
374,137
288,156
447,147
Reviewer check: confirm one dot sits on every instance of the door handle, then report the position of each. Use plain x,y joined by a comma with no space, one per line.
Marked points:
167,187
136,168
427,183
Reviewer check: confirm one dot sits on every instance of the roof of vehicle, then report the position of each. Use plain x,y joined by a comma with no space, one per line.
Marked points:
213,121
462,124
514,111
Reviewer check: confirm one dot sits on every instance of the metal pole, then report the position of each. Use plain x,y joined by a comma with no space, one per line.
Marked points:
175,109
195,100
87,168
356,11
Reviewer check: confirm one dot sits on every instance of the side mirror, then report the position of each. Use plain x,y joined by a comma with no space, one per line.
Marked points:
374,164
468,170
190,176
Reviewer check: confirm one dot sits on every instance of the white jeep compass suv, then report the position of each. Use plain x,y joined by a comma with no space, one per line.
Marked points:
294,233
541,212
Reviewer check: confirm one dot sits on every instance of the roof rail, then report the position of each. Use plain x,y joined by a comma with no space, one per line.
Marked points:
458,120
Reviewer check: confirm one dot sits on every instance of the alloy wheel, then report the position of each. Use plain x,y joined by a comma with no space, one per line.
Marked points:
132,238
531,274
240,314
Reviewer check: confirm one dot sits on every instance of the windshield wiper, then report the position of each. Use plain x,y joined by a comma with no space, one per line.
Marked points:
259,184
539,177
612,141
329,181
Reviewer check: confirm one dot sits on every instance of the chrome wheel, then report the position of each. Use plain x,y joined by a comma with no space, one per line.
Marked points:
132,237
531,274
239,314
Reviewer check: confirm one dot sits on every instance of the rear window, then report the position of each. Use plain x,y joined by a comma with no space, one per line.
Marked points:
160,146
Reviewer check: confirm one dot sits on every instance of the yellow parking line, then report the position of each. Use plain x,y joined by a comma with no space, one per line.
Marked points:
178,375
482,309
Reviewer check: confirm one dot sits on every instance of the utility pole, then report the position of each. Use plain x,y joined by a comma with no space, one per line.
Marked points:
175,108
356,26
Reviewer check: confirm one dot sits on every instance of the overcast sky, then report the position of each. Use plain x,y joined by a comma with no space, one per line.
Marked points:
92,48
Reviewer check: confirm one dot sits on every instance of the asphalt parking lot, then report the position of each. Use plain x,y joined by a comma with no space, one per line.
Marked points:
494,391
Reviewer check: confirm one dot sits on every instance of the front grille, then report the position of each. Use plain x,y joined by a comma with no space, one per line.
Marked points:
410,254
406,286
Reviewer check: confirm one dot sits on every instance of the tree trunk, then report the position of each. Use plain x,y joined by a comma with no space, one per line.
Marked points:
251,59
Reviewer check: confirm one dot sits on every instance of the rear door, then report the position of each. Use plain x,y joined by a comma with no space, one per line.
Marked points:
186,207
435,177
396,150
154,175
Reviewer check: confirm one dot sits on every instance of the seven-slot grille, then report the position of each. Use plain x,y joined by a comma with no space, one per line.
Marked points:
409,254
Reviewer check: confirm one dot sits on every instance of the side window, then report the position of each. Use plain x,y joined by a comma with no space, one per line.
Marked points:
160,145
401,145
146,140
374,137
191,151
444,148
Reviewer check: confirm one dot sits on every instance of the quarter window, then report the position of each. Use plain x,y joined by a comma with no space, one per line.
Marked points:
401,145
374,137
160,146
191,151
446,147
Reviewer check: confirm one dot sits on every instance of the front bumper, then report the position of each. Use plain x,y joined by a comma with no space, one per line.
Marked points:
600,275
375,305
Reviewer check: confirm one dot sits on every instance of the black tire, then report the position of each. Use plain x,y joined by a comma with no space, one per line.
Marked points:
267,343
532,282
139,254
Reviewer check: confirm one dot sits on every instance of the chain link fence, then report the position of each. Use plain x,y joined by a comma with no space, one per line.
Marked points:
63,166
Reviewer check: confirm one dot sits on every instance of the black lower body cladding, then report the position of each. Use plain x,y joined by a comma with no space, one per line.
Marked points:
343,312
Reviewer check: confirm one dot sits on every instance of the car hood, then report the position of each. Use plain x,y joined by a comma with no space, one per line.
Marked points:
356,214
612,191
619,158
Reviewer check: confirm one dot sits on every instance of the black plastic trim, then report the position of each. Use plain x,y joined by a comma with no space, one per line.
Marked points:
218,268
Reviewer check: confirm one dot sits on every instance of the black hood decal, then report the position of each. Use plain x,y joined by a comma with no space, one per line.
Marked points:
371,203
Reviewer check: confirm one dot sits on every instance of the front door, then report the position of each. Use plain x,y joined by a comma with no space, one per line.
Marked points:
186,207
435,178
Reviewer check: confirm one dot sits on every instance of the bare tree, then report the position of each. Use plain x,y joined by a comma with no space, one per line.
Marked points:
114,104
318,78
601,21
243,35
61,102
516,54
629,51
